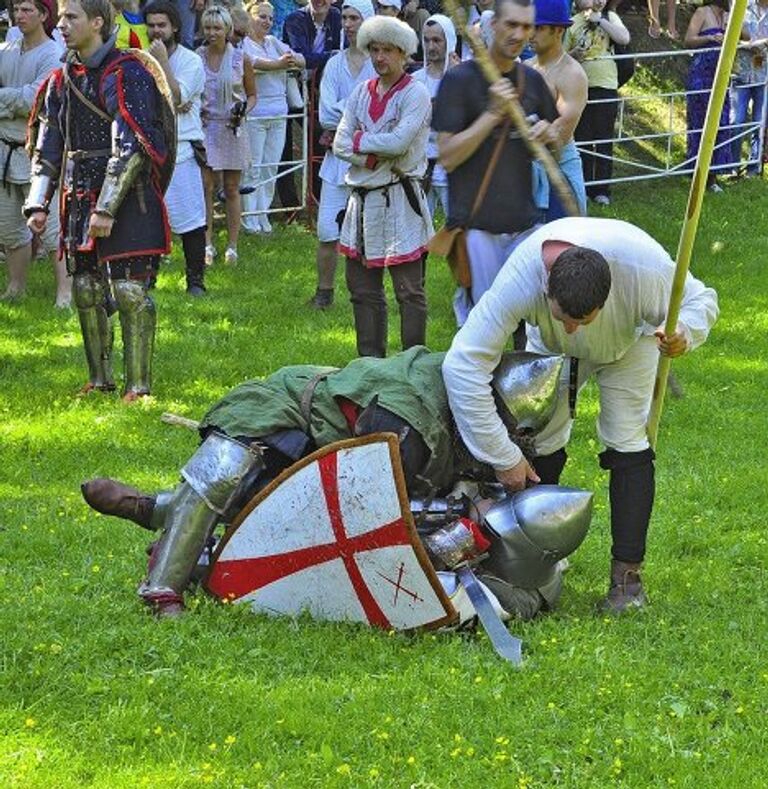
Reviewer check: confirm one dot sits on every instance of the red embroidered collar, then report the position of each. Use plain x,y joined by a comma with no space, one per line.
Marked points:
379,105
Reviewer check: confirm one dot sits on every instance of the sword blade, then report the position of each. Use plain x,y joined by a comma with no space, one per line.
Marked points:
505,644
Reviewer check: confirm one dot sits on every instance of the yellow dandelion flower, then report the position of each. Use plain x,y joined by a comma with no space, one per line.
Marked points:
478,680
373,772
344,769
455,752
95,568
411,760
231,739
30,723
158,730
212,747
470,751
739,709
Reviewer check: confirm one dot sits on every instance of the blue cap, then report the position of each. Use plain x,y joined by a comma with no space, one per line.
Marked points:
553,12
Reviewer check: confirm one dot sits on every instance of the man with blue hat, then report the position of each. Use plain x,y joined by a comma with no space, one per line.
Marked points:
568,83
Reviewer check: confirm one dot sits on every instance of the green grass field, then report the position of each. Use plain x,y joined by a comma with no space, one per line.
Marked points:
94,693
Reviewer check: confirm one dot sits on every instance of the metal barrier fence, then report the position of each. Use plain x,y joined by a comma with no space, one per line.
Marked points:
659,154
636,155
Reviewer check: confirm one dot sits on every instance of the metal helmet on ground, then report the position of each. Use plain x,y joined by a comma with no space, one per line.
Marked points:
526,384
533,530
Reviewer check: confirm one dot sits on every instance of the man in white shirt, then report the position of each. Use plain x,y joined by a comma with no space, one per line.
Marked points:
185,198
24,64
595,290
341,75
438,39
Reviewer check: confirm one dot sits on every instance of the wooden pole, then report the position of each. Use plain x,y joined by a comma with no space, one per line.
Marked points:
514,110
695,198
179,421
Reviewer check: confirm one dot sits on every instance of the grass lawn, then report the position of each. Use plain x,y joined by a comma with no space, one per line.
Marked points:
94,693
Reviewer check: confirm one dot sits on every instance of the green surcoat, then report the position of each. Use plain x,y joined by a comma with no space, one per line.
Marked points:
409,384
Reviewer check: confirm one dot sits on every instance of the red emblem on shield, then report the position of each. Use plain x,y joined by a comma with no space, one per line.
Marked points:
333,535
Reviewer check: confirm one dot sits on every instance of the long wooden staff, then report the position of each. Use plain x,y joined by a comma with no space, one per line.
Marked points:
514,110
695,198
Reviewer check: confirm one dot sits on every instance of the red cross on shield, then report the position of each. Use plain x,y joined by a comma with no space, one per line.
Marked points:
333,535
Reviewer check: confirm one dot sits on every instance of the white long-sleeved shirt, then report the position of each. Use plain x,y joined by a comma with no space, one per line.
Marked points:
335,88
377,135
187,68
641,282
21,74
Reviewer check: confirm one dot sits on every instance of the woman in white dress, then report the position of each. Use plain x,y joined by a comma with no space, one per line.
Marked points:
229,88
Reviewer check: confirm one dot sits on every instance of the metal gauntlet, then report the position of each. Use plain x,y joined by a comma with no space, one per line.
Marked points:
121,176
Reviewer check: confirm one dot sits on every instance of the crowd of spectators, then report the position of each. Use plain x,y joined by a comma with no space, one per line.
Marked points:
236,135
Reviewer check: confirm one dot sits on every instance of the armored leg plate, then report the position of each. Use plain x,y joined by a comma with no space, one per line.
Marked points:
137,320
212,478
96,326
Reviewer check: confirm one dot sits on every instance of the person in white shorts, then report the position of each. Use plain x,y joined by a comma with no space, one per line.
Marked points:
342,73
25,61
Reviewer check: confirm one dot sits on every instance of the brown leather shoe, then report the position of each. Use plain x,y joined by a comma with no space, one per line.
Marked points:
626,589
110,497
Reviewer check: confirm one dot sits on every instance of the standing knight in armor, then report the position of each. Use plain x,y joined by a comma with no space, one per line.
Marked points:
263,426
103,134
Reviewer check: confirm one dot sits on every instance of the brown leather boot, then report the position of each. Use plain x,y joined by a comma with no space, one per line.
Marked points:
626,589
110,497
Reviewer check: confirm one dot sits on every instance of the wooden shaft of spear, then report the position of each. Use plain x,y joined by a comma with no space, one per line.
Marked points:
491,72
179,421
695,199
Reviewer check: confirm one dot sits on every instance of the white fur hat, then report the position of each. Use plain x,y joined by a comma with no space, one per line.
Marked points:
387,30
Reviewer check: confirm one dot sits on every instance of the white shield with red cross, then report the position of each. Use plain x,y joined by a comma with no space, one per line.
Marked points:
333,535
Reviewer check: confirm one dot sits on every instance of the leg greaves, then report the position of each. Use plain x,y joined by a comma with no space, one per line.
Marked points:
90,294
212,479
137,320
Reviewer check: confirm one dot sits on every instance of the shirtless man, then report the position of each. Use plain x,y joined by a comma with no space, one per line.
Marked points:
568,83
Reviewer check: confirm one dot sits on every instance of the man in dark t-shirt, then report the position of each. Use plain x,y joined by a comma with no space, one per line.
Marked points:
471,121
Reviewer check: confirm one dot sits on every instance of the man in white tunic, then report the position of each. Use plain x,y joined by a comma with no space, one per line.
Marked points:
185,198
24,64
342,73
438,39
383,134
596,290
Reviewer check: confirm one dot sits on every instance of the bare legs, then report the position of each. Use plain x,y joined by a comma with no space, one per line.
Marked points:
19,260
231,180
654,25
63,282
231,184
18,267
